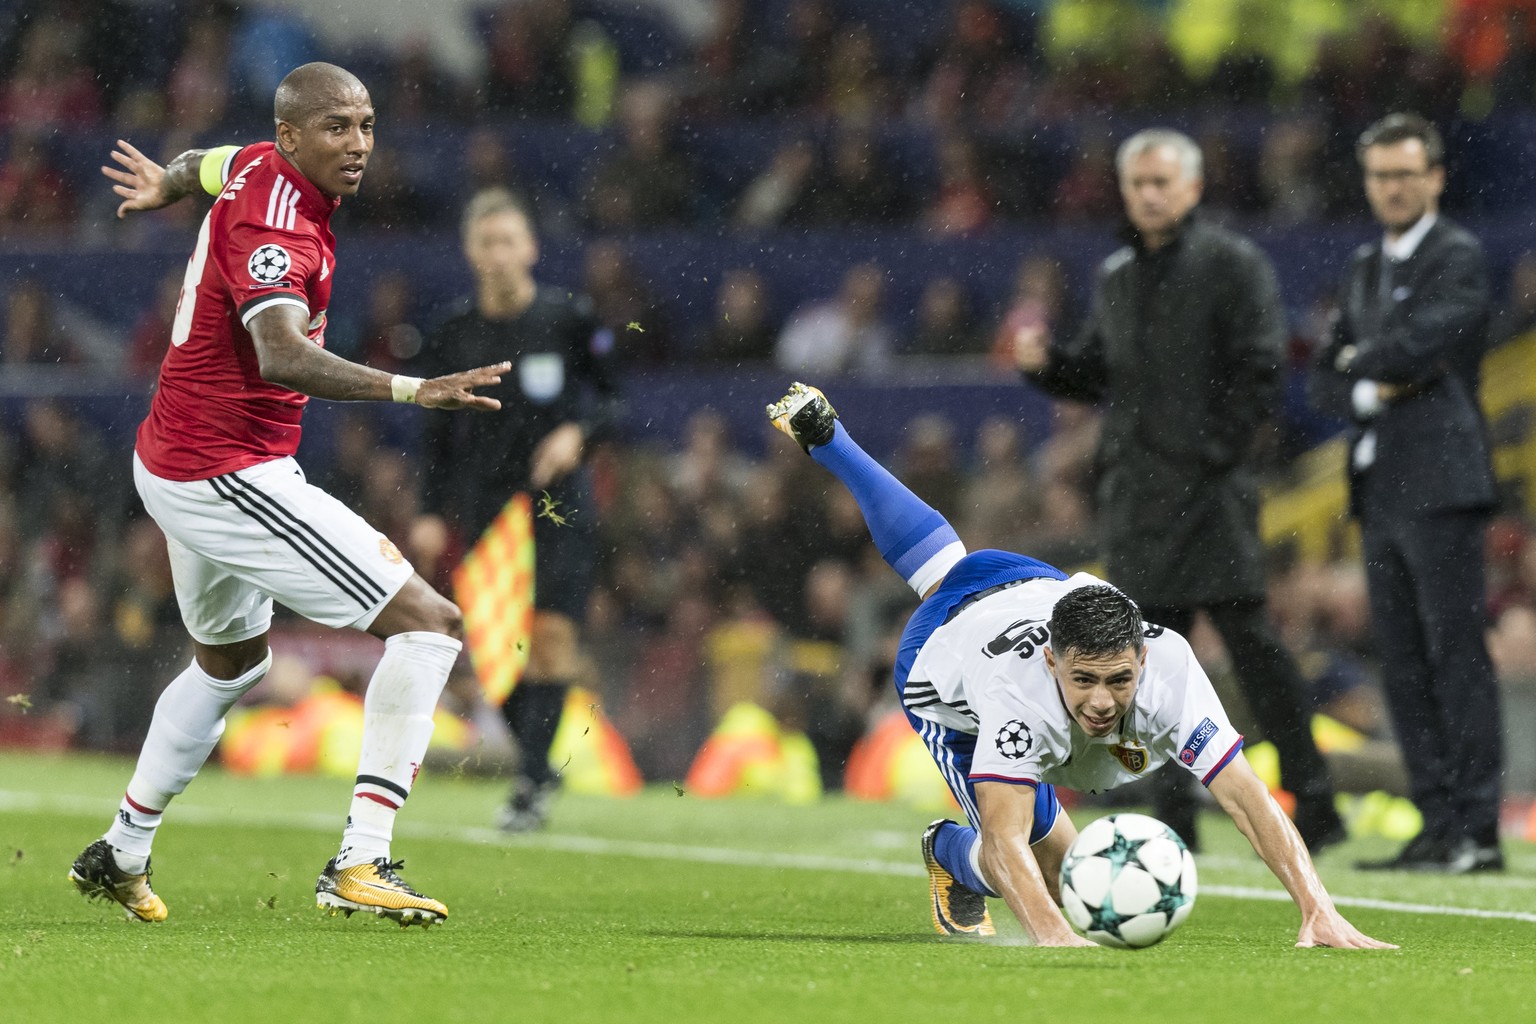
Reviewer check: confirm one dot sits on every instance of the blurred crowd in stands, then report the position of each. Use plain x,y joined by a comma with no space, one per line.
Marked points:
988,109
725,576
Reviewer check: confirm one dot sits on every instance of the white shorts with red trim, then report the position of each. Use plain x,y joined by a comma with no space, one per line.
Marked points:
242,540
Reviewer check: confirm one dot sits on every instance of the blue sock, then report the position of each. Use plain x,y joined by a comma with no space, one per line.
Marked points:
952,846
913,538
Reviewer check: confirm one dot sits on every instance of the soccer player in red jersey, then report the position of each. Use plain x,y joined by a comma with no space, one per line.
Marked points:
214,466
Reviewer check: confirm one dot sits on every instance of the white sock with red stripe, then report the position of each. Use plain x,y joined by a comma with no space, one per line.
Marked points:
187,724
397,725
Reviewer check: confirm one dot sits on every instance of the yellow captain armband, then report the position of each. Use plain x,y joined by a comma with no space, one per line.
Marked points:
214,170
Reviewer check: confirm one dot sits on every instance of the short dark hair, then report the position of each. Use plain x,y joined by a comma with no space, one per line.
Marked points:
1097,621
1395,128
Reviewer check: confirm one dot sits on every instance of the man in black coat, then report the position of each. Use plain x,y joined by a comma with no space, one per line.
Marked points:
1402,364
1183,345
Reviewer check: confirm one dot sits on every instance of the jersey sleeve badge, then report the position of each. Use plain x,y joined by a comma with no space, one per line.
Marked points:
269,264
1014,740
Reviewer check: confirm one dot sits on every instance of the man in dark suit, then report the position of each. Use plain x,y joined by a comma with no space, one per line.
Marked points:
1402,364
1183,344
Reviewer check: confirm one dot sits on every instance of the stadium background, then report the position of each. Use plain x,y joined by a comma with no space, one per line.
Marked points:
714,173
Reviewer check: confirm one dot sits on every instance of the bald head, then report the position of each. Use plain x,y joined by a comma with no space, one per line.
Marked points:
307,91
325,126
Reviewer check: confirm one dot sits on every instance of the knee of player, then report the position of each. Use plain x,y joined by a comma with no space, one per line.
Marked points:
446,618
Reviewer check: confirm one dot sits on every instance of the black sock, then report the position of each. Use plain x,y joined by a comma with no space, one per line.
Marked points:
533,714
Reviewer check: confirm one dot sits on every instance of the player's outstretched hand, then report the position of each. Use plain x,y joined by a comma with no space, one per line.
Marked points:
456,390
1333,931
141,182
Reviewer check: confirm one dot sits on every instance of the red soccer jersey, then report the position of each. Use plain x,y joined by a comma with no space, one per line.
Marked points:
266,241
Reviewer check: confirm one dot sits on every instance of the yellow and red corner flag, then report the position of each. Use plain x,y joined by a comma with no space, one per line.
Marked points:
494,589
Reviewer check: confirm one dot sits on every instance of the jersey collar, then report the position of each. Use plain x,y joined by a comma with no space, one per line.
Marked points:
312,201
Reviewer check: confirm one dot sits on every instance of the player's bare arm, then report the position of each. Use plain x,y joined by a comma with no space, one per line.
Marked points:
1245,797
287,357
145,185
1009,865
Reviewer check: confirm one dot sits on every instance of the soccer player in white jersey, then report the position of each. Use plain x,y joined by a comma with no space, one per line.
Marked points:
1018,677
213,463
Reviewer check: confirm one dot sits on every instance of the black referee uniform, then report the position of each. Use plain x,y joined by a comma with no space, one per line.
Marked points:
560,374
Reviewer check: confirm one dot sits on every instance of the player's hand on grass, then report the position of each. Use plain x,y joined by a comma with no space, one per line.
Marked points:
456,390
141,182
557,455
1332,931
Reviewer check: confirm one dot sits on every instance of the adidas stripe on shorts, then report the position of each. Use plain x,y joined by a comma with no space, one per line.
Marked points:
242,540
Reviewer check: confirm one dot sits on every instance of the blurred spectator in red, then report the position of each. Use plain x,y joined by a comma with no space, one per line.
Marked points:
152,334
529,70
1518,315
1483,33
641,330
1039,300
51,85
843,334
946,321
964,203
647,182
741,328
34,196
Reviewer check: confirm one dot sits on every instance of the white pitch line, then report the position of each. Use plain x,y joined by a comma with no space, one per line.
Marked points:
35,803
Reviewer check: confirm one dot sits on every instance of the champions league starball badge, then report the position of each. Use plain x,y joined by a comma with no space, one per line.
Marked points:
269,264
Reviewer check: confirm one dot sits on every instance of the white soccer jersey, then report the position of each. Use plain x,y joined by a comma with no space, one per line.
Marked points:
984,673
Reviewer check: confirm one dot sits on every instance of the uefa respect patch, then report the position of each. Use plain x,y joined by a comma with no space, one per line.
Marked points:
1197,740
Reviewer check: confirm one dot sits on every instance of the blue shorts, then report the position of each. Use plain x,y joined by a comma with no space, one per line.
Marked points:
952,750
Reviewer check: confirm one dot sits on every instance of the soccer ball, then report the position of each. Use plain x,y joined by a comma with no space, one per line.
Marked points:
1127,881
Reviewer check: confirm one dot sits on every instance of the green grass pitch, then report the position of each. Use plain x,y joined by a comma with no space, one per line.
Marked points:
671,909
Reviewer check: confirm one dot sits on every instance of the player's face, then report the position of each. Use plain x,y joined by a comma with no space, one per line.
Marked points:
1097,690
501,249
331,149
1400,184
1157,192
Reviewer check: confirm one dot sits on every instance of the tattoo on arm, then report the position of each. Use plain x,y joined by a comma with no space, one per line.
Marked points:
288,358
181,175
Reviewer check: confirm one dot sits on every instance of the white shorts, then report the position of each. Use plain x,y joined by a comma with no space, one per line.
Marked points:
242,540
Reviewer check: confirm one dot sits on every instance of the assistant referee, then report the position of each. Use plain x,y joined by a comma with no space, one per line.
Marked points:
557,399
